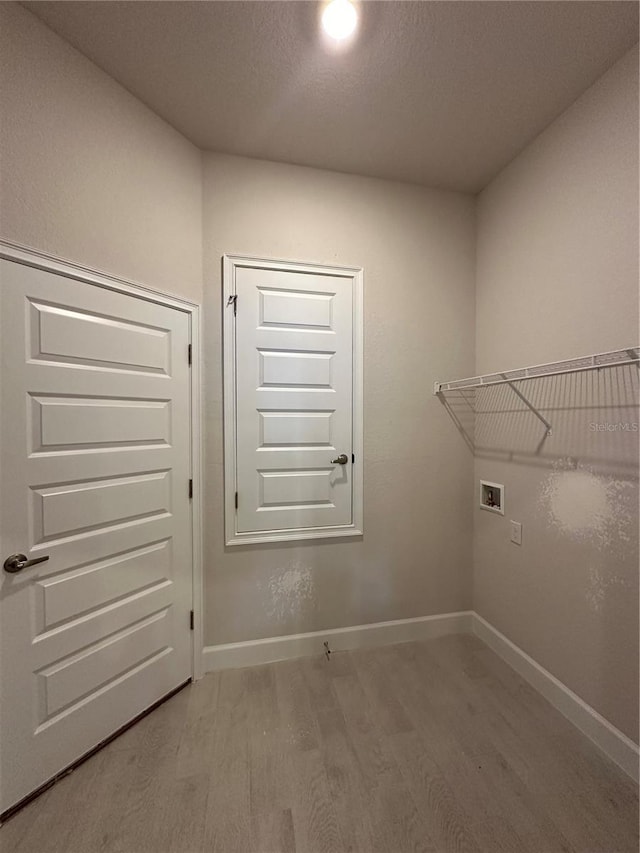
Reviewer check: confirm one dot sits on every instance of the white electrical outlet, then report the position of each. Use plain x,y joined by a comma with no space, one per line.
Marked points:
516,532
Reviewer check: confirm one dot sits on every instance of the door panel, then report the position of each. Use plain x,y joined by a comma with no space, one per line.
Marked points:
294,360
295,428
58,511
90,588
69,423
295,309
59,334
95,470
290,369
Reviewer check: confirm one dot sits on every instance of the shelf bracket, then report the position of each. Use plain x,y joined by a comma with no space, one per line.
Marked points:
529,405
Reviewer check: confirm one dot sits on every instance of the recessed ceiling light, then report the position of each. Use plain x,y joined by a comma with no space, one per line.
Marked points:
340,19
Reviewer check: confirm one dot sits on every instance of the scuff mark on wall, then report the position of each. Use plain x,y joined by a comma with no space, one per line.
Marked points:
290,593
590,508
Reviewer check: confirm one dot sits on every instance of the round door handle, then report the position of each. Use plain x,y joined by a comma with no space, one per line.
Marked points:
18,562
341,460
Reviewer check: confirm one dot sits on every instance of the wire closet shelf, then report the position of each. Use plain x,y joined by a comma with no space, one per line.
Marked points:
615,358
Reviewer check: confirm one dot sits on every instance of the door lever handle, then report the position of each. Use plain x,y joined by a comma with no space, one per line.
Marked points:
341,460
18,562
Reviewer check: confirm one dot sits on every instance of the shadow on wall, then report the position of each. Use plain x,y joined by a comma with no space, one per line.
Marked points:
594,418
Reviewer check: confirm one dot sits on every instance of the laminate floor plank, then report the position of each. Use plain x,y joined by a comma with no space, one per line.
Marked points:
227,822
433,746
448,823
273,832
181,829
526,814
496,835
366,733
347,781
264,710
198,735
270,747
315,822
373,679
398,824
270,771
104,802
294,702
319,674
453,703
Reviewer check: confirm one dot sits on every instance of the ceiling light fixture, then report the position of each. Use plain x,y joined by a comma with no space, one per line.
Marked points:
340,19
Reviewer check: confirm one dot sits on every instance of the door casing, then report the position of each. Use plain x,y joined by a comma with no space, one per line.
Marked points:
229,293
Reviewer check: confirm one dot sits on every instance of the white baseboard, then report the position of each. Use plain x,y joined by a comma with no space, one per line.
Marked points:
254,652
606,736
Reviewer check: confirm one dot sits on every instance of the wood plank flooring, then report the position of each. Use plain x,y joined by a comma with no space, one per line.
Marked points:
436,746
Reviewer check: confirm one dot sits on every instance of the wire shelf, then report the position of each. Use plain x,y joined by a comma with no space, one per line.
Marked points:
615,358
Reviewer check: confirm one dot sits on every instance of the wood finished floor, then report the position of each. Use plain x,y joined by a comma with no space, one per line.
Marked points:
434,746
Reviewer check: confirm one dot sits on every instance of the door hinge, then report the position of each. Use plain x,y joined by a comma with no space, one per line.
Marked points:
189,354
191,619
233,300
190,488
236,500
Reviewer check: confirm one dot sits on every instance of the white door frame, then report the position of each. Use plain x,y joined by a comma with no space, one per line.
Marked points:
229,293
34,258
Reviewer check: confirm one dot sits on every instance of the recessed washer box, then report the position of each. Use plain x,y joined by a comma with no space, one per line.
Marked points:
492,496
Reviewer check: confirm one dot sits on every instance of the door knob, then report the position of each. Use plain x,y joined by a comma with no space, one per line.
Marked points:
341,460
18,562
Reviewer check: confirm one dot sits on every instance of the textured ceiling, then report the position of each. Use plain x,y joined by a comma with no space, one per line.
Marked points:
438,93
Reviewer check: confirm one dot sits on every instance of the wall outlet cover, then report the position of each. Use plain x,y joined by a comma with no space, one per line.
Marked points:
516,532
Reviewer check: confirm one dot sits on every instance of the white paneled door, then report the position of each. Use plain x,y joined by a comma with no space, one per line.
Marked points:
95,429
294,394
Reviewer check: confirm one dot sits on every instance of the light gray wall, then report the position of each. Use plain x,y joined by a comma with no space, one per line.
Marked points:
417,248
87,172
557,277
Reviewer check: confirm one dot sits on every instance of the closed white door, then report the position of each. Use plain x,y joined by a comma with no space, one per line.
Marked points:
294,399
95,425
